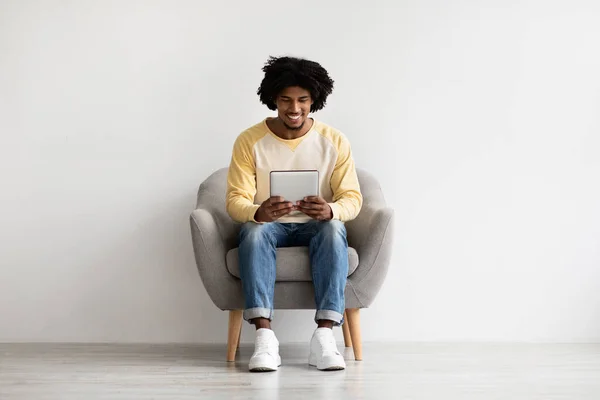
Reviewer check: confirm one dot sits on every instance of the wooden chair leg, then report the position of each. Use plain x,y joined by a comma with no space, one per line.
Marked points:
354,322
346,330
233,336
239,337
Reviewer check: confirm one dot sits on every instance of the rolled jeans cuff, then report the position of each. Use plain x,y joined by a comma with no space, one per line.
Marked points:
330,315
258,312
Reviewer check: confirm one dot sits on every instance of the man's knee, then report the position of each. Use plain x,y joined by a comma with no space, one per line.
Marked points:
333,229
255,233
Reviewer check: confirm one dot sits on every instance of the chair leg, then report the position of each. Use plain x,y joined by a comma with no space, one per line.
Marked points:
233,336
354,322
239,337
346,330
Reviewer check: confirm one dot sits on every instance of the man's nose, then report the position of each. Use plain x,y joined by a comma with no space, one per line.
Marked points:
295,106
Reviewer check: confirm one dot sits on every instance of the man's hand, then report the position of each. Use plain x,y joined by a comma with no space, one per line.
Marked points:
273,208
315,207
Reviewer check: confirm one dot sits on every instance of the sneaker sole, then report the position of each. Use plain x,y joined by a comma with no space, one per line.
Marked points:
269,367
331,368
336,368
263,369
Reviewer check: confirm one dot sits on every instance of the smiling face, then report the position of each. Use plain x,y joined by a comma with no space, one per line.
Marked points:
293,105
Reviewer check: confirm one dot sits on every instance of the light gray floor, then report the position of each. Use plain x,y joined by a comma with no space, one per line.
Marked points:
389,371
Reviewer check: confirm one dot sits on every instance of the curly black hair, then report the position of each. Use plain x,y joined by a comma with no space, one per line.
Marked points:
283,72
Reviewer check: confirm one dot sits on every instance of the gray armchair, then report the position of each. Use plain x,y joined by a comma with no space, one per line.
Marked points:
215,241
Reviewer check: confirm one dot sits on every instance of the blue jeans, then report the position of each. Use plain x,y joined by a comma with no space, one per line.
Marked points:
328,249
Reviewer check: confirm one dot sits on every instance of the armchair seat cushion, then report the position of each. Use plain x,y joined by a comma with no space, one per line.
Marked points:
293,263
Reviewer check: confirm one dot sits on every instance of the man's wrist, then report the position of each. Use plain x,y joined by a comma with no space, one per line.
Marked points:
258,216
330,212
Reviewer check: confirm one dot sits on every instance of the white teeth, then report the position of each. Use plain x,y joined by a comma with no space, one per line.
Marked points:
293,117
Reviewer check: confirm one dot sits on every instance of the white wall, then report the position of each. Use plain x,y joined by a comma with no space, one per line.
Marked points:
481,120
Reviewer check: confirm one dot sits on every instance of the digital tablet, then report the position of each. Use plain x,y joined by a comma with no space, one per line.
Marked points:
294,185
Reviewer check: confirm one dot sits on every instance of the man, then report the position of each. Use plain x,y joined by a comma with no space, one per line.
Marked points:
294,88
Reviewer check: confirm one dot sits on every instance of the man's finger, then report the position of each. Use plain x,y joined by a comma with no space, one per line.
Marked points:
308,211
311,206
281,206
276,199
314,199
307,205
302,204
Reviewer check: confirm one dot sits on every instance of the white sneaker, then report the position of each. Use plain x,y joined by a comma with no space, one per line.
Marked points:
266,352
323,351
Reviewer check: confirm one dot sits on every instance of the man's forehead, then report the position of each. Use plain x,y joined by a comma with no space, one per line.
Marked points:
294,91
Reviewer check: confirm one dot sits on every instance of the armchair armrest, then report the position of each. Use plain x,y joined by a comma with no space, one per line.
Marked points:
371,234
210,252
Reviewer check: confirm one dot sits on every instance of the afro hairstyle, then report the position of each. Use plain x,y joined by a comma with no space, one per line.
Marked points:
283,72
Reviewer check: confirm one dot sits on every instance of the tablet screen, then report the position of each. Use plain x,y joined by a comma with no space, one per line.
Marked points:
294,185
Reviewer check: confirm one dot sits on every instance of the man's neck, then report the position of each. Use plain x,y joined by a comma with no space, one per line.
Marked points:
279,128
